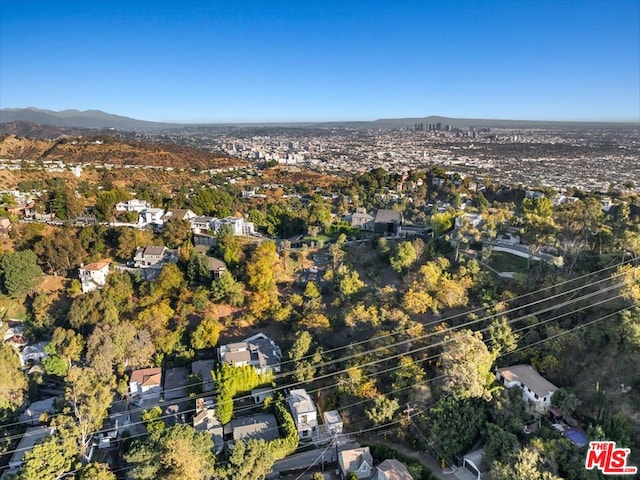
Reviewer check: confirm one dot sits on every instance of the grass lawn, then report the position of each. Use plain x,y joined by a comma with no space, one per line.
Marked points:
506,262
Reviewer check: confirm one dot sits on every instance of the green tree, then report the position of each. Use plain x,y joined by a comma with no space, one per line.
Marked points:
499,444
19,272
176,232
382,410
527,464
153,420
403,257
227,289
176,453
89,396
61,253
466,365
13,382
252,459
262,271
566,401
350,282
50,458
129,239
97,471
454,425
206,334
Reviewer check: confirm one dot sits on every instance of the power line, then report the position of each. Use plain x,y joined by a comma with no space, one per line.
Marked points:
403,342
398,367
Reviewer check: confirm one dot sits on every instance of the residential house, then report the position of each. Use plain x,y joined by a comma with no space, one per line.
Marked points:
178,214
356,460
259,395
151,216
473,468
392,469
333,422
35,410
205,420
85,220
202,224
33,353
535,388
145,384
473,219
304,413
175,383
93,276
533,194
153,256
133,205
258,351
387,222
204,370
32,436
361,219
237,225
214,266
262,426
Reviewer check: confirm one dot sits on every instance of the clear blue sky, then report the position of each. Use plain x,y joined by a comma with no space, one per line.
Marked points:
305,60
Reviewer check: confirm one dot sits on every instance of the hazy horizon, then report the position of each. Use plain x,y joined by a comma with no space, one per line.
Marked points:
284,61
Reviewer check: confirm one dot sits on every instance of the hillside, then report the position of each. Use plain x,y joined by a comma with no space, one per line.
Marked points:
110,150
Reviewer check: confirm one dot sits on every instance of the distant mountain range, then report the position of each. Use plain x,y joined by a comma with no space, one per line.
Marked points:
97,119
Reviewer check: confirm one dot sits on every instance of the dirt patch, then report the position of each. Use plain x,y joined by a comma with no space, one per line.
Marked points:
52,283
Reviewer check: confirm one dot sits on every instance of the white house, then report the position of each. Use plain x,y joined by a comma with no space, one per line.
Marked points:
146,383
535,388
151,216
93,276
333,422
259,351
133,205
239,226
202,224
304,413
356,460
473,219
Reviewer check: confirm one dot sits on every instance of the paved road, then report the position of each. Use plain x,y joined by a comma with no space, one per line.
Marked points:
303,460
424,458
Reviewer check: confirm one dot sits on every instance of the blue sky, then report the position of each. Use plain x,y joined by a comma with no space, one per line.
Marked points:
306,60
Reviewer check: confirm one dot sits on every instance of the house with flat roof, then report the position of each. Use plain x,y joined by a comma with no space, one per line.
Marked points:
535,388
304,413
133,205
204,370
333,421
263,426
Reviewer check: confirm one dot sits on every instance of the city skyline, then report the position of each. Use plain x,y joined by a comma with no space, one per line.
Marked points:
193,62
